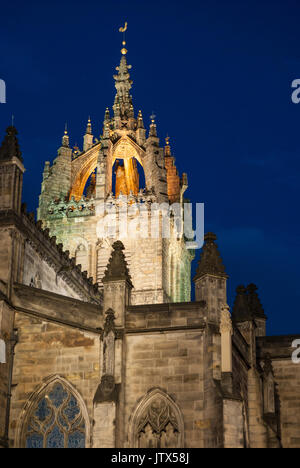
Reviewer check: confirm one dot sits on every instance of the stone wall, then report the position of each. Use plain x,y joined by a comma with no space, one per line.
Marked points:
159,268
287,378
172,362
39,274
233,424
47,349
170,347
5,243
6,326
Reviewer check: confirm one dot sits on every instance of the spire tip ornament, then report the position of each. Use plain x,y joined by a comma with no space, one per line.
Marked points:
65,138
152,117
167,147
123,30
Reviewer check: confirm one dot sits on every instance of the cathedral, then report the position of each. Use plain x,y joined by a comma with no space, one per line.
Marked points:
100,343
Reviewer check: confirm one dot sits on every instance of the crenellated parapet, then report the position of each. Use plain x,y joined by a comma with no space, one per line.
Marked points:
58,259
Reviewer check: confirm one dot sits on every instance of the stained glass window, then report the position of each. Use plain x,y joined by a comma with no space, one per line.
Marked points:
56,421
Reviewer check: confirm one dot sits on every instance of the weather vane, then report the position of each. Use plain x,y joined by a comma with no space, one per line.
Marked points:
123,30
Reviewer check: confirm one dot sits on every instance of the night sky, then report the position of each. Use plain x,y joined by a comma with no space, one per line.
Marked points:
218,76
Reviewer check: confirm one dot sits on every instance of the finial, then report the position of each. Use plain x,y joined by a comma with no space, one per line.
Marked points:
117,268
76,149
107,115
210,260
65,139
167,147
153,130
89,127
123,30
12,120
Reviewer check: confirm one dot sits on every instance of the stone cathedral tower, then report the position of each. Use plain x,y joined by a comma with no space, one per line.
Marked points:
100,346
78,183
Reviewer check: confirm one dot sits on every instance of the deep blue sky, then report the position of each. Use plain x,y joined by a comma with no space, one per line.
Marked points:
217,74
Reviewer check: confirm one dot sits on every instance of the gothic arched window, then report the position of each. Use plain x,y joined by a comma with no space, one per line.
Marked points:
55,419
157,423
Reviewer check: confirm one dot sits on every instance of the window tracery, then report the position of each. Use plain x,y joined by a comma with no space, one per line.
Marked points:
157,423
56,420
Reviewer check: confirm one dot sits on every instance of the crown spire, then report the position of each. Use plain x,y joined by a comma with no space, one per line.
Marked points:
123,107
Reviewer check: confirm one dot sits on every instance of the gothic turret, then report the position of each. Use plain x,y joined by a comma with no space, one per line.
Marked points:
140,132
241,311
173,179
247,307
11,172
88,137
10,147
210,279
210,261
56,178
153,129
254,302
117,268
106,126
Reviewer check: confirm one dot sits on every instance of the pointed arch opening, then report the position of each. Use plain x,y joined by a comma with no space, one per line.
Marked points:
157,422
83,169
55,416
125,168
127,177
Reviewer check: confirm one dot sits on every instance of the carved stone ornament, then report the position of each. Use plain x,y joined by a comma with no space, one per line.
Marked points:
159,414
117,268
226,323
107,390
109,324
157,423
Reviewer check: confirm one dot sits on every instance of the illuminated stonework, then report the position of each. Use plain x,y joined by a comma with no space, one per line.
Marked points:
70,207
131,363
